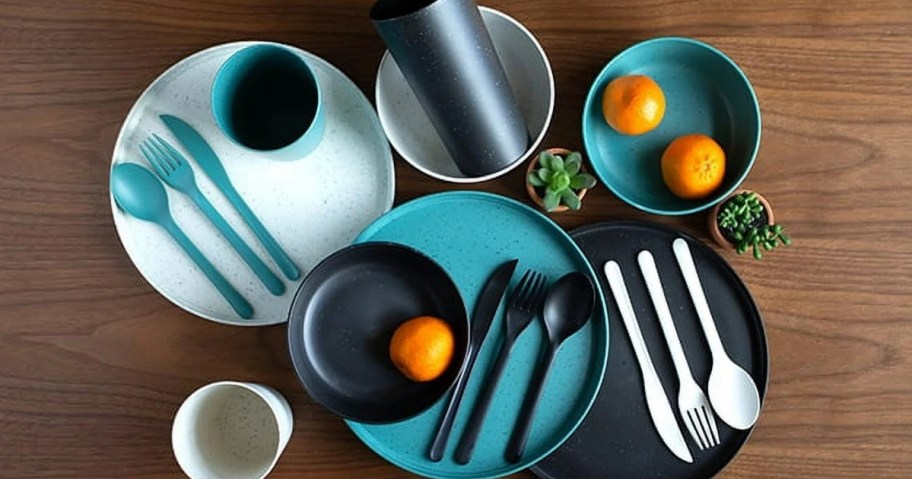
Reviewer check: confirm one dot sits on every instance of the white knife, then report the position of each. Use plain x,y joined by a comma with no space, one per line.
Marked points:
656,400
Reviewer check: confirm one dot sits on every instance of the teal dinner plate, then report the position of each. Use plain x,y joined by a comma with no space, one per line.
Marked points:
705,92
469,234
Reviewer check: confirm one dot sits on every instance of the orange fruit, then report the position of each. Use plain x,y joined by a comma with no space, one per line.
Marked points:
693,166
633,104
422,348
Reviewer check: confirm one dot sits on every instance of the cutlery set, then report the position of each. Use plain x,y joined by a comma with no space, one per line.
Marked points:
483,316
209,162
732,392
565,307
523,306
138,192
174,170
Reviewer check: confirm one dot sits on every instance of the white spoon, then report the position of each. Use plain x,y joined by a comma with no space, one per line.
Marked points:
732,392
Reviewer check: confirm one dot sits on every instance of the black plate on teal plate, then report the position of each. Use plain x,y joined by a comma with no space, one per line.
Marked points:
617,439
343,317
471,233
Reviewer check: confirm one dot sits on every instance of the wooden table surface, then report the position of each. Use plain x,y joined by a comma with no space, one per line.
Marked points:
94,363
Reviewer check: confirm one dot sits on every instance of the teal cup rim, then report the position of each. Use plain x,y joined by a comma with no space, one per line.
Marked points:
310,136
719,195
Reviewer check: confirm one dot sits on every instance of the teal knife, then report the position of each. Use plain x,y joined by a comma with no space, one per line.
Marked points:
207,160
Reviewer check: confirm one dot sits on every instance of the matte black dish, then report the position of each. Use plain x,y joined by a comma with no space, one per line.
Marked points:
617,439
343,317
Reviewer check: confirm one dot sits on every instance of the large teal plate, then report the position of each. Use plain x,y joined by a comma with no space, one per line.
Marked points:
705,92
470,234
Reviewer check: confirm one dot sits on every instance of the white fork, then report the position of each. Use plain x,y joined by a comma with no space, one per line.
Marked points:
692,402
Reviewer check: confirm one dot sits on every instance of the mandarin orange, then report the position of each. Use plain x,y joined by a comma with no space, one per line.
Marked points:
422,348
693,166
633,104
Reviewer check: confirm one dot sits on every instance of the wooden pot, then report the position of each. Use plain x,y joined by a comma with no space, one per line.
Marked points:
714,229
533,193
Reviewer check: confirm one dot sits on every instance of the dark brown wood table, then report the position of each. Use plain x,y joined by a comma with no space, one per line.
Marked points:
94,363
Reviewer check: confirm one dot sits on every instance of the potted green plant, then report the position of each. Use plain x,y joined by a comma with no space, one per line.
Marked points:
744,221
557,181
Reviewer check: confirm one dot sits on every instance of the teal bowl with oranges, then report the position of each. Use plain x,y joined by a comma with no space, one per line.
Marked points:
705,93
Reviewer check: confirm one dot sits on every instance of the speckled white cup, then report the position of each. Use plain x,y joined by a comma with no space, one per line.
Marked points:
231,430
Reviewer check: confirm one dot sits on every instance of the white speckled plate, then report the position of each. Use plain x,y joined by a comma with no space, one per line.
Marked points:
312,206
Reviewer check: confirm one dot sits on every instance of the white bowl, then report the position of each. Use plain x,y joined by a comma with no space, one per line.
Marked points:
410,131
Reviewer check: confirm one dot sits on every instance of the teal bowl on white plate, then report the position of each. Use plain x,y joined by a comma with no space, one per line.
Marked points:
705,92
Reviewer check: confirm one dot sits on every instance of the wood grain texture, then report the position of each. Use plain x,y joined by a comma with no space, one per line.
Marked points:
93,363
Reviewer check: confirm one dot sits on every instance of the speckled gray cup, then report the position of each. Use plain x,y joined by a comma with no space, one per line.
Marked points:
231,430
445,53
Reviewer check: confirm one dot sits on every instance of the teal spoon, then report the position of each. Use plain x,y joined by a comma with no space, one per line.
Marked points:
138,192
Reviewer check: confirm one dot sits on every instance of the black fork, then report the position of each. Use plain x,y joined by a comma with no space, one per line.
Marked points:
524,304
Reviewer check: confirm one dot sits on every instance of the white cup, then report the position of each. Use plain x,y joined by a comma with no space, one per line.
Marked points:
231,430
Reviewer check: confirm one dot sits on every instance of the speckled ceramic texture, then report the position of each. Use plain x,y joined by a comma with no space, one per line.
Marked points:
445,53
410,131
312,206
231,430
470,234
705,92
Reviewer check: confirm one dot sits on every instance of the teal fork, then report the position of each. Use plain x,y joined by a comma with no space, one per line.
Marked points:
174,170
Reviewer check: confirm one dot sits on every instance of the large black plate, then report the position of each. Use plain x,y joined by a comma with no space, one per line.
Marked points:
617,439
342,320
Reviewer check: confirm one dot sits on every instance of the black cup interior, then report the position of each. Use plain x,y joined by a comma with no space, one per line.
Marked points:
343,317
389,9
272,99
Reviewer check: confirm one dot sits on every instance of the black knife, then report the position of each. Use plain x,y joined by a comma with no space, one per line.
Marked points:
482,317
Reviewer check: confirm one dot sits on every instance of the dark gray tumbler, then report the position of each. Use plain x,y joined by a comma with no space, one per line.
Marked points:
445,53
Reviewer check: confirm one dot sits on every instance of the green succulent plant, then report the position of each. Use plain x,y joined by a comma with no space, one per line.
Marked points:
560,179
739,217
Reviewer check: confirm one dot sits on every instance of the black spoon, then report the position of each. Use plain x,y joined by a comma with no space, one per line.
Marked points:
568,306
